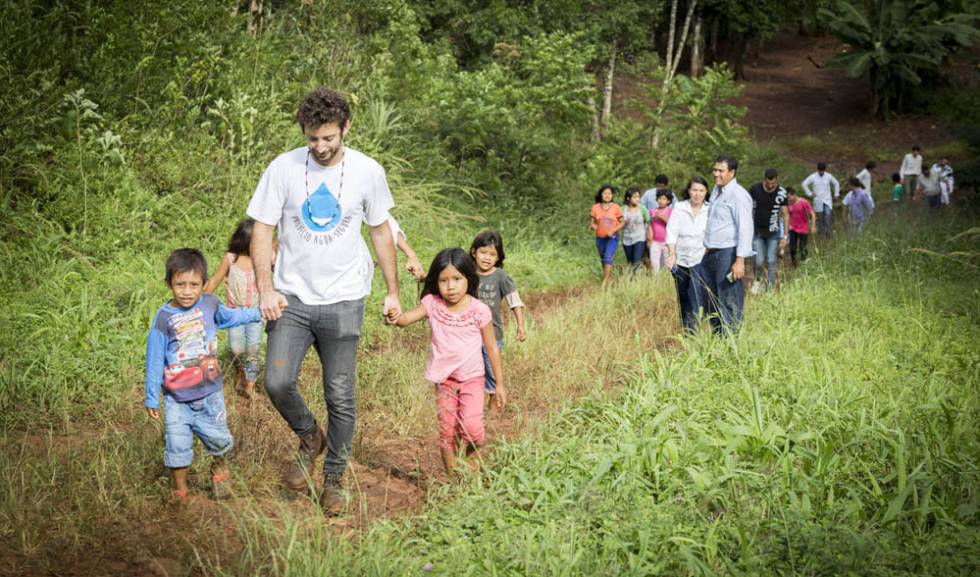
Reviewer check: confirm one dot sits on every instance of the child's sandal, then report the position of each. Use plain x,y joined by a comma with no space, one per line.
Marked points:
221,485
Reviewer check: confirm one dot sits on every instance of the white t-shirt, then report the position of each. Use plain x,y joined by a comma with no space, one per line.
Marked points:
322,257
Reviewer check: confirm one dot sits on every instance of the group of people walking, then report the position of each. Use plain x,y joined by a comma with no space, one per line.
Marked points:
305,217
705,239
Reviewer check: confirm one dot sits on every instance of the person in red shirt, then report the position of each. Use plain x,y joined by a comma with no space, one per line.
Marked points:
801,221
606,219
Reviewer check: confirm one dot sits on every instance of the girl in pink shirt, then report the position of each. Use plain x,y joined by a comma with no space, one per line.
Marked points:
658,229
461,326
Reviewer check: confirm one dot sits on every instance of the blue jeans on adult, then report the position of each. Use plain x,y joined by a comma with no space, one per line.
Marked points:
825,221
766,250
244,342
725,298
335,330
691,296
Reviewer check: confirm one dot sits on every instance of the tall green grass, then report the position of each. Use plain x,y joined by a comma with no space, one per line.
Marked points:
836,434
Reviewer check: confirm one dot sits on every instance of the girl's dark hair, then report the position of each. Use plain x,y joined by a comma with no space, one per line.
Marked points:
489,238
896,177
666,193
242,237
455,257
185,260
854,181
630,192
598,195
695,180
790,190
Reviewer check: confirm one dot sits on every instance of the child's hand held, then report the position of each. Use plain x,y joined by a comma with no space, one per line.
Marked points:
500,397
153,413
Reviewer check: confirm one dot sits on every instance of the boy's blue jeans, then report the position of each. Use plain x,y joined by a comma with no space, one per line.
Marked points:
335,330
766,249
205,418
244,341
490,380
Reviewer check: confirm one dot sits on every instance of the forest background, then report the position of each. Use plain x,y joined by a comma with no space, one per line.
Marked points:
129,130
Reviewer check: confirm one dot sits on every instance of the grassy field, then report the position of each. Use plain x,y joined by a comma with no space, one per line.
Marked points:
835,435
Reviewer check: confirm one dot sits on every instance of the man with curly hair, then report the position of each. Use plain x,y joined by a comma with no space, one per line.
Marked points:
318,195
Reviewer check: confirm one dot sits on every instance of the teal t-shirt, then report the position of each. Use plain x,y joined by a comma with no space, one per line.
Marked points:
897,192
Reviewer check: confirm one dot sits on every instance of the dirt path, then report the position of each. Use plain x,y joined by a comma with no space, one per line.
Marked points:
790,94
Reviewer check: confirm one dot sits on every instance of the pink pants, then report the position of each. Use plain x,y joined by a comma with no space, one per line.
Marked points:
460,409
658,252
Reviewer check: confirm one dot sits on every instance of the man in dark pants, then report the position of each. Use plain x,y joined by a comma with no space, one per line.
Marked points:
318,195
727,241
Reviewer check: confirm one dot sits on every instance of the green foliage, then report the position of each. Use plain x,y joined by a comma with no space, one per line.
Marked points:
895,42
823,440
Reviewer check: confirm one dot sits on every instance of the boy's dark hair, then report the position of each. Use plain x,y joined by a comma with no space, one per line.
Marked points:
871,165
323,106
695,180
489,238
598,195
455,257
821,166
729,161
855,181
185,260
661,179
896,177
771,173
242,237
666,194
630,192
915,148
790,190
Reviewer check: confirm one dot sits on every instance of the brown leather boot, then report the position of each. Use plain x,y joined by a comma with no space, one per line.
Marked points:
333,497
310,447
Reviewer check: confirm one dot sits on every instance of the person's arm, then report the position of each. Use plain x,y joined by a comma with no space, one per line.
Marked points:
385,249
215,281
620,222
807,183
785,238
516,306
813,220
836,185
271,303
673,230
496,364
664,214
226,318
593,221
744,229
413,316
156,348
414,265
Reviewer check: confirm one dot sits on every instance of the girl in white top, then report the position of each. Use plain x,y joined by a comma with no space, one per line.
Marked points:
685,249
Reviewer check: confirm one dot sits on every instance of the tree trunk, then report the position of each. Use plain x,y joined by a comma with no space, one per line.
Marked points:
254,17
714,39
670,33
607,89
596,127
740,47
671,71
697,62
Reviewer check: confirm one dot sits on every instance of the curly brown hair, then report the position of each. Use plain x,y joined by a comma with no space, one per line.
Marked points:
322,106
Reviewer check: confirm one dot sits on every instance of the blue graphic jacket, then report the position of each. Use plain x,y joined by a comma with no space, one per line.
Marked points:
181,349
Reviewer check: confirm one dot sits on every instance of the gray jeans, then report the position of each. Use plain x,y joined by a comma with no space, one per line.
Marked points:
825,221
335,331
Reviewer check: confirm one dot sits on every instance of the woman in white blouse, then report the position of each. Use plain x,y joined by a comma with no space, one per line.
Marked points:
685,248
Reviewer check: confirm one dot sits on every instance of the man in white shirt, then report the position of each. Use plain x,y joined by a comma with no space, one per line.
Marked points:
818,186
866,175
911,170
318,195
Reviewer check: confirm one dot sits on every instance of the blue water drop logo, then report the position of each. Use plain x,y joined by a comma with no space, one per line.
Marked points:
322,212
